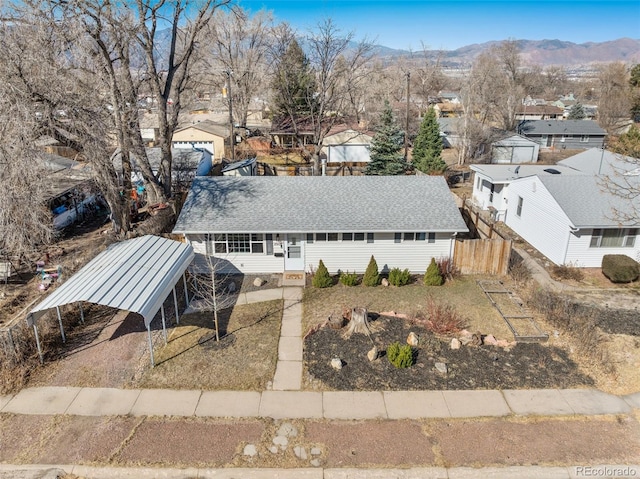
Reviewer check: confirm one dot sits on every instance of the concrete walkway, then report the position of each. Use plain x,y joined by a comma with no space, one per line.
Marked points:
316,405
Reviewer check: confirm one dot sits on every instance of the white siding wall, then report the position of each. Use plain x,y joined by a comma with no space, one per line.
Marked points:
581,255
350,256
354,256
482,198
542,222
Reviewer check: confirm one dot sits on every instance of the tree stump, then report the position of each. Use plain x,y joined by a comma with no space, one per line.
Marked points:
359,322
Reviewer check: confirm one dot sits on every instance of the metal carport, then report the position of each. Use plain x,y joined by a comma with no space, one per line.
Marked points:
136,275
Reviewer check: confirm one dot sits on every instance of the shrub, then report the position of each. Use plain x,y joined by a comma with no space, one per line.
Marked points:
518,270
400,356
447,268
349,279
620,268
398,277
440,318
371,275
566,271
322,278
433,277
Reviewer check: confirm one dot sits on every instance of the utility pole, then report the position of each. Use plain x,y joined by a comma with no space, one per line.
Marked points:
406,131
232,136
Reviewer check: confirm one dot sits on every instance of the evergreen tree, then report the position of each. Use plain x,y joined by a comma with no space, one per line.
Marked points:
577,112
294,84
628,143
322,278
427,148
386,147
433,277
371,275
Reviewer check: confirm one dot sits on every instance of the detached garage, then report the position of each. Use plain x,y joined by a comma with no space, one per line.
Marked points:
347,145
514,149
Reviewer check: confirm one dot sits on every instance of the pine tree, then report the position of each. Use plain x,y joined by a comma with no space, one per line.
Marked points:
386,147
371,275
427,147
577,112
433,277
294,84
322,278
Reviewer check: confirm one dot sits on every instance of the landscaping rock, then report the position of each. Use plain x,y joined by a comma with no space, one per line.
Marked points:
384,282
490,340
287,430
316,451
281,441
336,363
258,282
273,449
250,450
441,368
300,452
315,462
476,339
455,343
413,339
373,354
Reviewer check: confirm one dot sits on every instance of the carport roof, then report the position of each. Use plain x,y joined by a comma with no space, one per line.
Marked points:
135,275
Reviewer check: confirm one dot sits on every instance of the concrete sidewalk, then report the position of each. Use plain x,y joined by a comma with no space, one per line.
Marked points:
316,405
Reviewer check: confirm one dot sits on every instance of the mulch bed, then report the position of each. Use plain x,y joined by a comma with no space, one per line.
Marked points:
470,367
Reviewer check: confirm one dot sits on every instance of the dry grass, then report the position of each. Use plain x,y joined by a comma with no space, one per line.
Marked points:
463,294
244,359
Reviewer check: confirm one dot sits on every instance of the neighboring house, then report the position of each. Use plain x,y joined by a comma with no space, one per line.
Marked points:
539,112
491,184
450,131
276,224
283,133
448,110
449,97
596,161
344,144
570,219
186,164
205,134
565,134
514,149
247,167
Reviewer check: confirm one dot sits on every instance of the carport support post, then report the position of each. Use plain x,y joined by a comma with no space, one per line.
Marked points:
64,338
35,330
186,293
81,313
164,325
153,364
175,303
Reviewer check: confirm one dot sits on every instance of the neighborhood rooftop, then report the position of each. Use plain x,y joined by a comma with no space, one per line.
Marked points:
510,172
586,200
319,204
556,127
599,161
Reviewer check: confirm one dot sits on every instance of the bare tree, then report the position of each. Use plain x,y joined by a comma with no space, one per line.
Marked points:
614,96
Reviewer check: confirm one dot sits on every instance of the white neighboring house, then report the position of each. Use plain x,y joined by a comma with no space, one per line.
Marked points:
514,149
259,224
491,183
570,219
347,146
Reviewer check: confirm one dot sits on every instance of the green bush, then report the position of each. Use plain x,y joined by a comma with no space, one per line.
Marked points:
433,277
349,279
398,277
322,278
400,356
371,275
619,268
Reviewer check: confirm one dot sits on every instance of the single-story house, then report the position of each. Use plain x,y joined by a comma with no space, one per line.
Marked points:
514,149
570,219
564,134
347,145
248,167
450,131
448,110
206,135
539,112
276,224
491,183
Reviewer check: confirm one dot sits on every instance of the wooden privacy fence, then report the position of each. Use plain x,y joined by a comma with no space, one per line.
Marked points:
482,256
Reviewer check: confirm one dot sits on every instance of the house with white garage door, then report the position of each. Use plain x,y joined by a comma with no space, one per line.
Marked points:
347,145
286,224
205,135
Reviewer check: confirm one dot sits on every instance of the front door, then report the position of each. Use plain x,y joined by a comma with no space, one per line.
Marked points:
294,252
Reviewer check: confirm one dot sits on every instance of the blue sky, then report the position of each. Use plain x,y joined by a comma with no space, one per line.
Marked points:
451,24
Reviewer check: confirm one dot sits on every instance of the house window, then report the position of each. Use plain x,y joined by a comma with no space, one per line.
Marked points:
409,236
491,194
584,138
420,236
269,241
347,236
257,243
369,237
238,243
397,238
309,237
241,243
321,236
358,237
432,237
332,236
479,183
519,209
613,238
219,243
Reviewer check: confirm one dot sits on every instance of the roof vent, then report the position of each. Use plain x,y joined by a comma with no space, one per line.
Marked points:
552,171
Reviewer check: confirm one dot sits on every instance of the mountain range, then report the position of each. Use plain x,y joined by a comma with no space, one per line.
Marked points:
542,52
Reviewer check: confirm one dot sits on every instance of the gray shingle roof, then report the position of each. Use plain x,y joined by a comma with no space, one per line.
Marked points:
560,127
264,204
599,161
586,200
208,127
509,172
